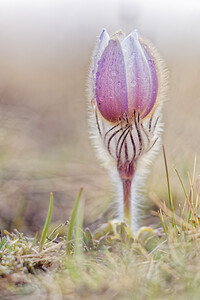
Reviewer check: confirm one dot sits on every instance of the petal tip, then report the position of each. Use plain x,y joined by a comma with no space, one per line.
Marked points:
135,34
132,36
103,34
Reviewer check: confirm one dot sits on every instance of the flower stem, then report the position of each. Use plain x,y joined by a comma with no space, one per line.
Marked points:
127,200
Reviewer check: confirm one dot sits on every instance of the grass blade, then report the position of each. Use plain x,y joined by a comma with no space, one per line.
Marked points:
72,221
186,195
55,229
168,186
162,222
33,243
3,242
179,177
46,225
79,229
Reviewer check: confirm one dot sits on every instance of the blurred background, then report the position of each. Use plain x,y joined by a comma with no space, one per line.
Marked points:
45,50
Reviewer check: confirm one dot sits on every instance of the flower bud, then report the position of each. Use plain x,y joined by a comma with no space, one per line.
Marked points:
124,77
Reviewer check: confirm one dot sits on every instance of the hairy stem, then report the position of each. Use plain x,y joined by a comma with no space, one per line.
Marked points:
127,199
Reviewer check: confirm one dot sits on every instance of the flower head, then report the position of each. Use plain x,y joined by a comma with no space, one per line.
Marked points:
125,78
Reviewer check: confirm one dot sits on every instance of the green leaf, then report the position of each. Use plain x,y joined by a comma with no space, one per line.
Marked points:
78,246
72,221
46,225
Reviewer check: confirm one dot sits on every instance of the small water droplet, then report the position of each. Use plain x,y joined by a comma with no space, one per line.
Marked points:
133,83
114,73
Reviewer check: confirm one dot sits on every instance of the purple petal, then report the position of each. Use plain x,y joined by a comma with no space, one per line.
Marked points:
154,81
140,75
111,89
102,44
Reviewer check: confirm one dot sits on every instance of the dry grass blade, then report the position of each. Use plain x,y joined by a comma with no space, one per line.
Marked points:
171,214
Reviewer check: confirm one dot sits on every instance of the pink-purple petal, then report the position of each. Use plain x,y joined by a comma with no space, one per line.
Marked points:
141,83
154,80
102,44
111,87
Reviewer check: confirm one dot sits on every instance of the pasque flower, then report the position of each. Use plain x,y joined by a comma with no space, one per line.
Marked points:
126,91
